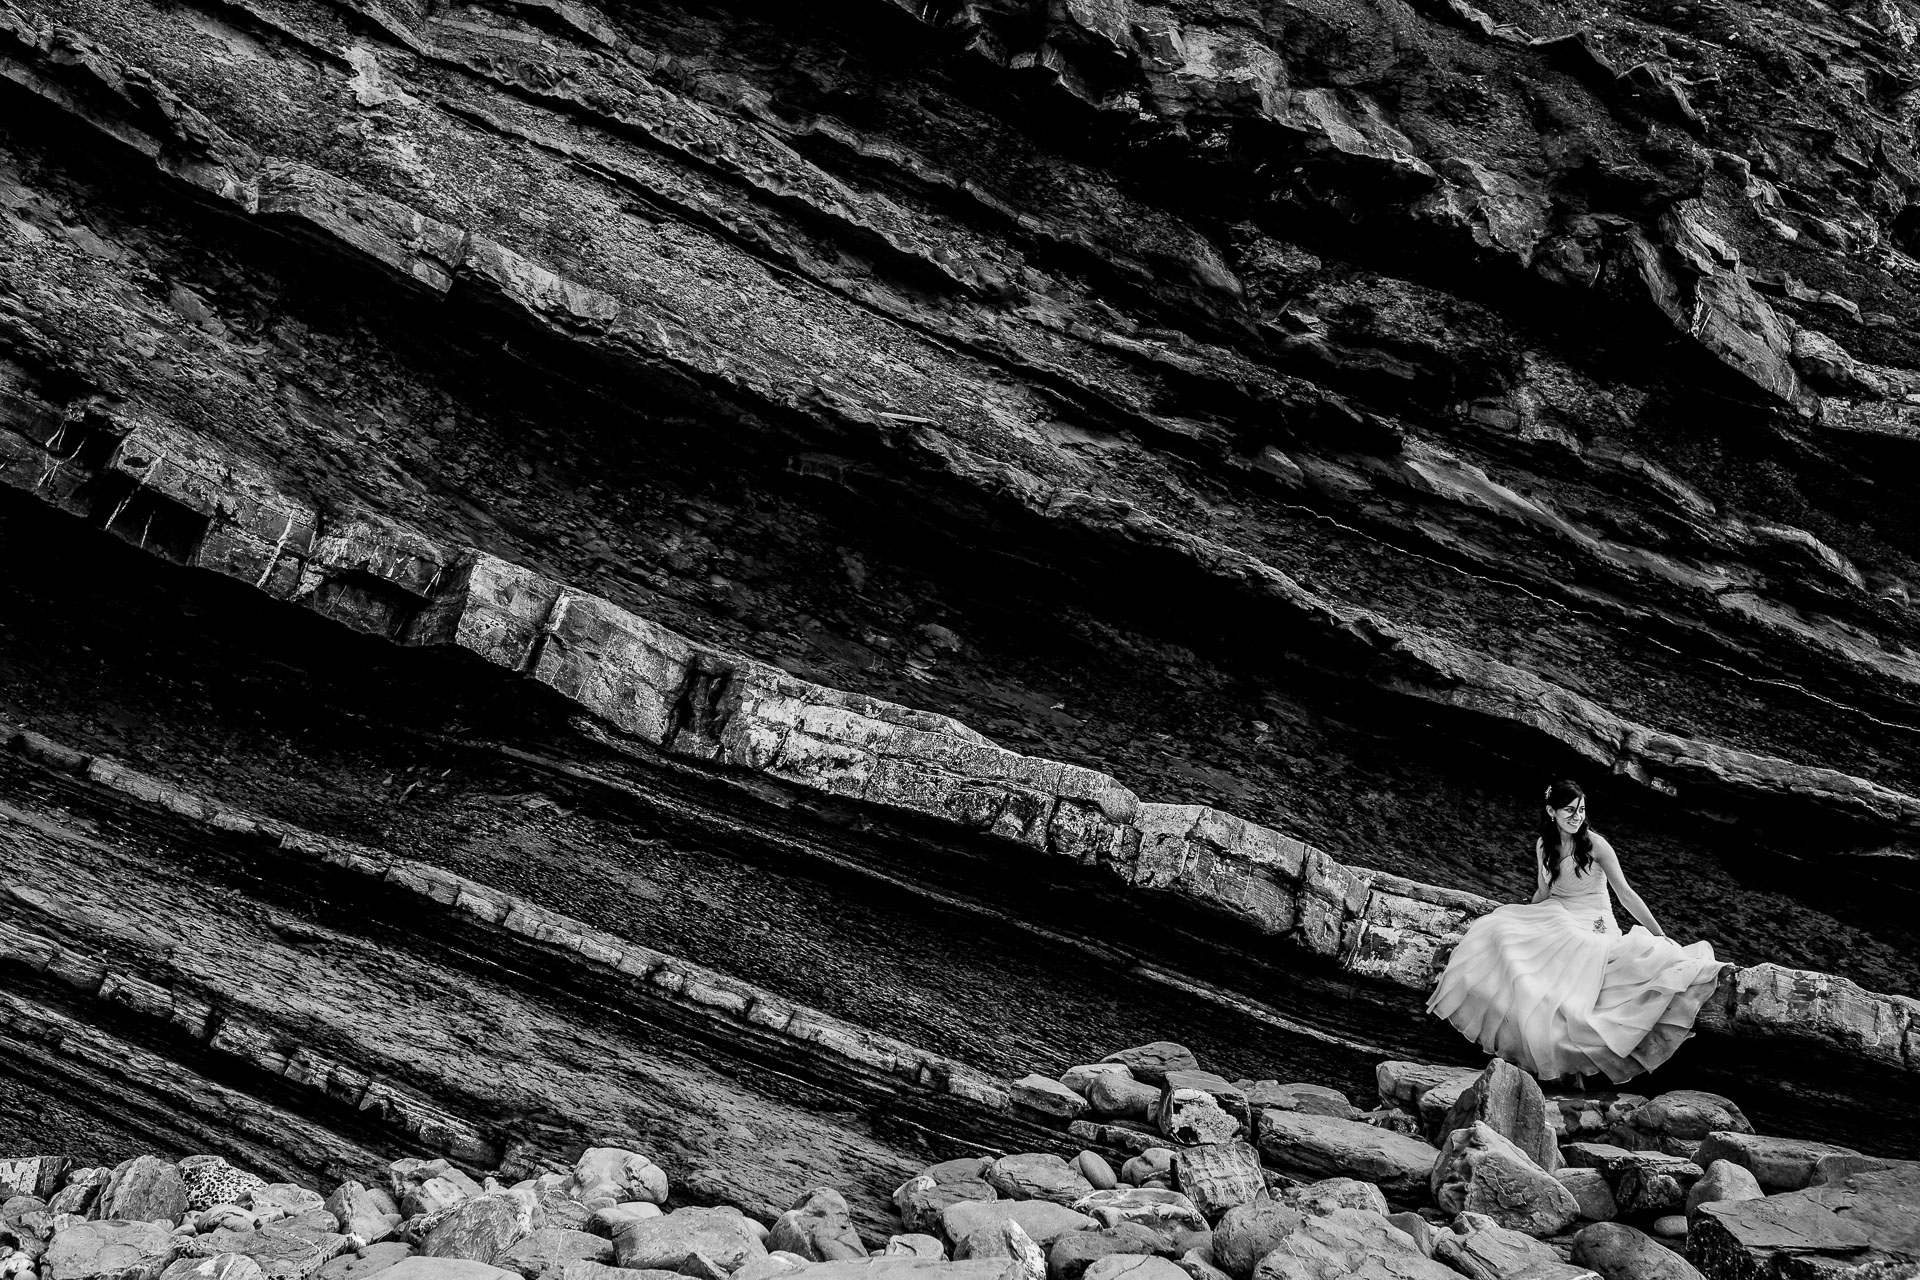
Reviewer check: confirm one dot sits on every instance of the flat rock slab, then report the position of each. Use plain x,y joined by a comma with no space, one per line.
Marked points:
1329,1147
1869,1213
422,1268
108,1250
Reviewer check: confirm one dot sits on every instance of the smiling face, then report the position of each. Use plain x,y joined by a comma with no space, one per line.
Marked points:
1570,818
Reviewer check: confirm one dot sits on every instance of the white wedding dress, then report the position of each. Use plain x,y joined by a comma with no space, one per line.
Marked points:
1556,988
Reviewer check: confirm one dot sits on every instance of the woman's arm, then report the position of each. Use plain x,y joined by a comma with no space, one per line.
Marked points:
1539,874
1610,863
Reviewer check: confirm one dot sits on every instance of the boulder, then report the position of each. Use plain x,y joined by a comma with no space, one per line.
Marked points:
423,1187
1779,1164
921,1200
143,1189
1094,1168
912,1245
1676,1123
1218,1176
1422,1232
1348,1242
1437,1103
1071,1254
480,1229
777,1264
420,1268
221,1266
546,1249
111,1249
1478,1171
361,1214
1509,1101
1194,1116
1403,1084
898,1268
273,1201
1150,1063
1008,1241
1315,1147
1166,1212
1230,1097
1723,1180
608,1221
819,1227
1154,1163
1049,1097
1672,1226
1123,1097
81,1192
615,1175
210,1180
1249,1232
1644,1192
668,1242
1080,1079
1861,1216
1590,1193
1313,1099
1126,1266
1196,1266
37,1176
1042,1220
358,1266
1616,1251
1481,1249
1328,1194
1037,1177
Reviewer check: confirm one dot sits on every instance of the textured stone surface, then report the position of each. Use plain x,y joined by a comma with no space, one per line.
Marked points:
818,1228
110,1249
1510,1102
1478,1171
1619,1252
1348,1242
1863,1215
1778,1164
1037,1177
666,1243
1325,1146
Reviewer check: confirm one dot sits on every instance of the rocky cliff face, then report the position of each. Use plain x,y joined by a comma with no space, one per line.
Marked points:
989,531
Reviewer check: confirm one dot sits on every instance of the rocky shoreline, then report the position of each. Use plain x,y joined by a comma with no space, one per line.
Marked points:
1183,1176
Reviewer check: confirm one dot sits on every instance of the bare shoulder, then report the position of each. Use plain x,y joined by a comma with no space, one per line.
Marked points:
1602,847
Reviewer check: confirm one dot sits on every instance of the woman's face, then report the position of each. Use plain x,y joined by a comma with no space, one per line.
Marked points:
1570,818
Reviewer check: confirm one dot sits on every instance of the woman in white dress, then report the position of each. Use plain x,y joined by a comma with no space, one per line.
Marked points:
1553,986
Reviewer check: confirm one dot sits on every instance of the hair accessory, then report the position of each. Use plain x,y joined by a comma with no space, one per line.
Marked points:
1548,795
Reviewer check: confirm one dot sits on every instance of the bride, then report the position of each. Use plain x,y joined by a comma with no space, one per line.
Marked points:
1554,986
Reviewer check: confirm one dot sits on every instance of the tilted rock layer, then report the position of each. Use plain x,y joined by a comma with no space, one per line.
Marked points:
1238,454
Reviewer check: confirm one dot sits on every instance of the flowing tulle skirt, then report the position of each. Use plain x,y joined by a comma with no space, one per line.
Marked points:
1558,993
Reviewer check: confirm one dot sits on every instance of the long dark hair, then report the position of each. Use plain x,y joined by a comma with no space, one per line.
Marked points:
1559,796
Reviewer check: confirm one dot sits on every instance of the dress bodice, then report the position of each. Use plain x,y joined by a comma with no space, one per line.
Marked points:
1585,894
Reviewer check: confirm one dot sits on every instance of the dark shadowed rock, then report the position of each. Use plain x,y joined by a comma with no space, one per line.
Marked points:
1676,1123
1591,1193
1865,1215
1778,1164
